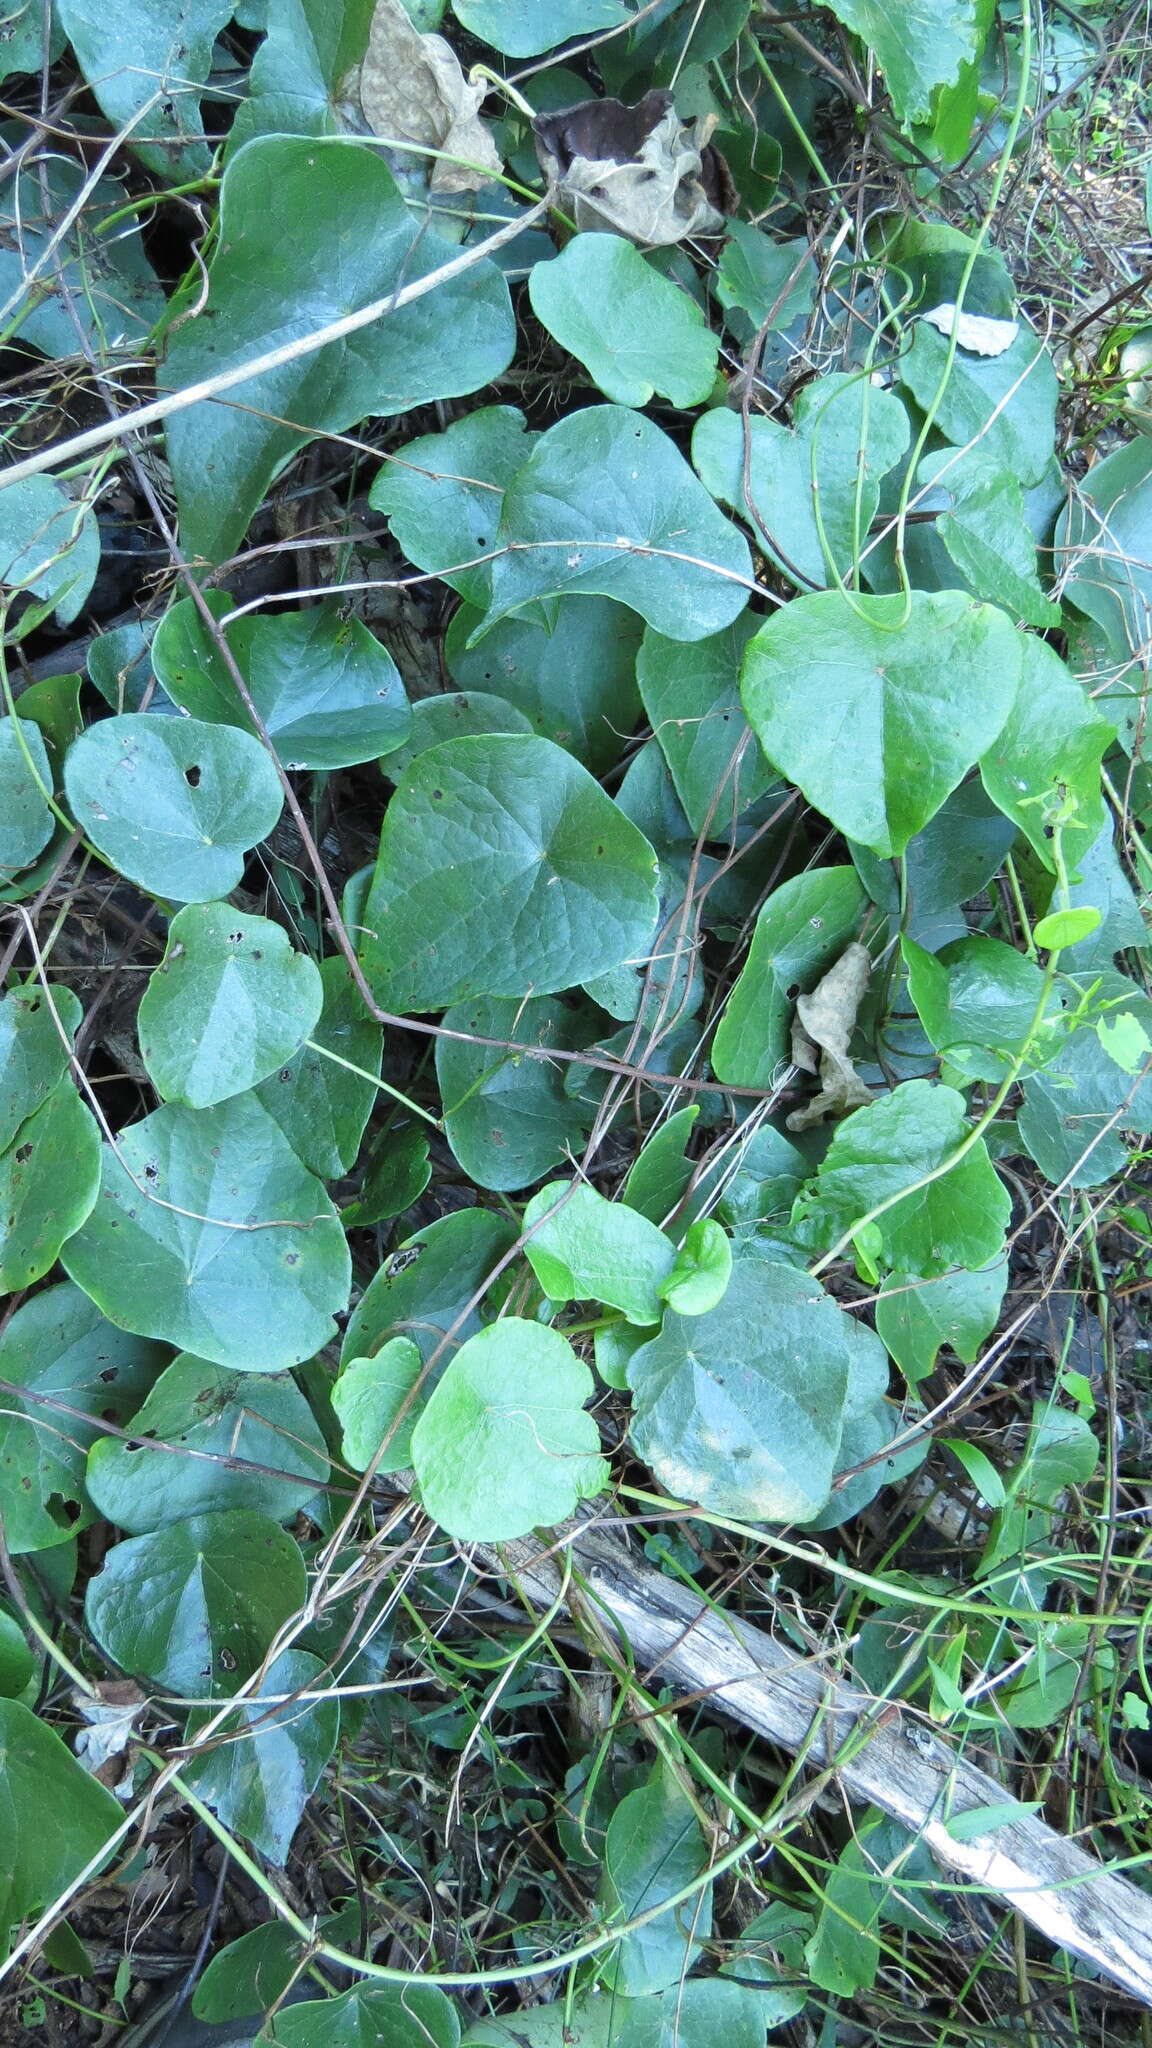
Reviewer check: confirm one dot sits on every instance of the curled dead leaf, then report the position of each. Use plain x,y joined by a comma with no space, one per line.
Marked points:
821,1031
637,171
411,88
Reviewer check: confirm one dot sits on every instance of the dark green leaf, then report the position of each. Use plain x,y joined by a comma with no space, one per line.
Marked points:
48,1182
770,282
443,494
173,804
26,823
691,694
372,2016
98,283
523,32
659,1177
606,503
128,55
65,1369
503,870
259,1781
508,1119
424,1287
876,708
918,44
587,702
33,1054
211,1440
977,1000
801,930
54,1818
49,545
307,229
654,1847
320,1103
210,1235
328,693
1005,404
297,73
1045,762
194,1606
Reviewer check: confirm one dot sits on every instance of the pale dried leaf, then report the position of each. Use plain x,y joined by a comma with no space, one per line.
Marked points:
412,89
636,171
825,1021
111,1728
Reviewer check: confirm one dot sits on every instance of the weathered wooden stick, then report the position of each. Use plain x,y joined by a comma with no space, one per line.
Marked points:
895,1764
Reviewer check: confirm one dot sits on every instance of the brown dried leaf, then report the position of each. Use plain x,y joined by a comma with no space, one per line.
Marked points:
824,1023
412,88
637,171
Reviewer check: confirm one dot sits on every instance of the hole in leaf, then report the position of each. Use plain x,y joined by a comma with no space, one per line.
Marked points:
192,777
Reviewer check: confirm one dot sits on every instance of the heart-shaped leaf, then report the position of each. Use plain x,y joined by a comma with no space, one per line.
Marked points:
587,706
376,1403
606,503
124,52
207,1439
957,1219
505,1444
324,1095
33,1055
309,229
48,1182
55,1817
371,2016
653,1848
1045,761
230,1002
691,696
443,494
210,1235
919,45
801,930
1005,404
503,870
517,32
49,545
194,1606
592,1249
508,1118
915,1317
741,1410
635,332
876,707
328,693
259,1778
26,822
811,492
62,1363
173,804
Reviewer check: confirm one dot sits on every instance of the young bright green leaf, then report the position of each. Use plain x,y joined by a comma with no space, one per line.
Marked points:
635,332
33,1055
958,1219
703,1268
48,1182
596,1250
508,1119
260,1781
424,1287
503,870
26,822
230,1002
918,44
915,1317
504,1443
767,280
443,494
321,1105
375,1402
606,503
54,1817
1046,758
1066,927
812,490
691,695
327,691
49,545
210,1235
977,1000
193,1606
654,1847
877,710
140,63
173,804
371,2016
519,31
586,701
1125,1041
309,228
207,1439
60,1348
977,1821
1005,404
801,930
741,1410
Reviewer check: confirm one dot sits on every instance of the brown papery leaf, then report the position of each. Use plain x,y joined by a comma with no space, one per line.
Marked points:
823,1026
637,171
412,88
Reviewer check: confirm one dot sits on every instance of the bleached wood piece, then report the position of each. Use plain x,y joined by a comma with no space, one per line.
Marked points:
908,1772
